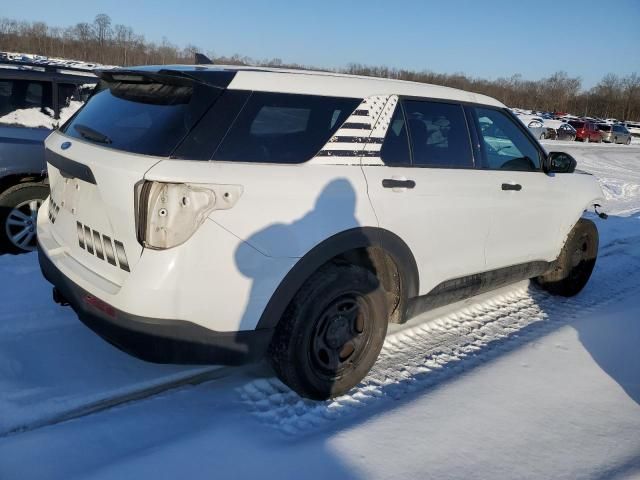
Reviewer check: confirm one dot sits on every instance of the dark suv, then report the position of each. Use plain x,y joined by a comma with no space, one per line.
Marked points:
36,94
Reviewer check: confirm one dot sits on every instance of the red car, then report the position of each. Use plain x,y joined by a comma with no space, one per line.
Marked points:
586,131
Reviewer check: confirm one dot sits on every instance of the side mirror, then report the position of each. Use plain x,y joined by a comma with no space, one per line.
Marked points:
559,162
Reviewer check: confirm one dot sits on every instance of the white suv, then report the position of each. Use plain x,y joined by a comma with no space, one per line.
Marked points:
216,214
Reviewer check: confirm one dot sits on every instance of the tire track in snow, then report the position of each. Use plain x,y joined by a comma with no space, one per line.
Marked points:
425,355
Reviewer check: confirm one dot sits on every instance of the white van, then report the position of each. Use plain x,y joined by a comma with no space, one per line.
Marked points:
218,214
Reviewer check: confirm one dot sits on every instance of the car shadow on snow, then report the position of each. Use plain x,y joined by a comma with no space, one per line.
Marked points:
391,383
612,338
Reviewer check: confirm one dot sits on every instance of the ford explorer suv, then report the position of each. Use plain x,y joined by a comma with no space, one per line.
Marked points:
216,215
34,97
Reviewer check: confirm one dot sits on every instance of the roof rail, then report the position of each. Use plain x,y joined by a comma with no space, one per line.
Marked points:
18,60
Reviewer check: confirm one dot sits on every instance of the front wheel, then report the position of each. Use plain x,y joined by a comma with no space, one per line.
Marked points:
18,213
331,333
628,142
575,263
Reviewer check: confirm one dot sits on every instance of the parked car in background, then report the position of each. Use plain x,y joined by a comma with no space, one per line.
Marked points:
606,130
550,133
617,133
566,132
633,128
35,97
559,130
586,131
536,126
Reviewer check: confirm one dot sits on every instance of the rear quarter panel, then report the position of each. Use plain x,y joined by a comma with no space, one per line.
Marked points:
22,150
584,190
285,210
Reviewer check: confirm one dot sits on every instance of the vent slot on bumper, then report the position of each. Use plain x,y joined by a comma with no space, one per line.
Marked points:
102,246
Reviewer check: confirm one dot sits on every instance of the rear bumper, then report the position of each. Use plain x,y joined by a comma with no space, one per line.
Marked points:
157,340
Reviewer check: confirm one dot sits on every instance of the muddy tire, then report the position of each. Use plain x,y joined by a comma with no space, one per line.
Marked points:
18,211
331,333
575,263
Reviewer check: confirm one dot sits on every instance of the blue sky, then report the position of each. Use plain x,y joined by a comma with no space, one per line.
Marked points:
483,38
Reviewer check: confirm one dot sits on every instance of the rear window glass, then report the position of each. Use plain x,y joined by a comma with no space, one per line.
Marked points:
283,128
145,117
576,124
604,128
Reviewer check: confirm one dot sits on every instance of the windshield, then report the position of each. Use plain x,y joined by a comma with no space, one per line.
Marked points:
142,116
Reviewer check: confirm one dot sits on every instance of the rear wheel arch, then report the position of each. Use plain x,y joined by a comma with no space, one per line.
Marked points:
12,180
379,250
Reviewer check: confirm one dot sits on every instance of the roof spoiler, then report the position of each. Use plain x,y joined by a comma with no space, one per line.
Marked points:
202,59
211,78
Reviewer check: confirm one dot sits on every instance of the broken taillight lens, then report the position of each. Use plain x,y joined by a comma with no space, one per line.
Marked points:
169,214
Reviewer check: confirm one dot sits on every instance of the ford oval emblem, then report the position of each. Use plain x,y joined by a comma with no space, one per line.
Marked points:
65,145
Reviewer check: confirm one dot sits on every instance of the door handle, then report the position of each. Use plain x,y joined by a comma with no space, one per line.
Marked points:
398,183
512,186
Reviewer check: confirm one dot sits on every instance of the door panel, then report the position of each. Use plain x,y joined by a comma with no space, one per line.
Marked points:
443,219
525,222
527,203
441,213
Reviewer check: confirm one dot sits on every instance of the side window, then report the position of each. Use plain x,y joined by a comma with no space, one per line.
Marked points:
395,149
5,97
22,94
439,135
284,128
505,145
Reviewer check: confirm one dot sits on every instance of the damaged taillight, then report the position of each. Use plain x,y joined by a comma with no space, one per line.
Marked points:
169,214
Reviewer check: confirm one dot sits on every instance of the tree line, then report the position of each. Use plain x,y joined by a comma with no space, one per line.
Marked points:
101,41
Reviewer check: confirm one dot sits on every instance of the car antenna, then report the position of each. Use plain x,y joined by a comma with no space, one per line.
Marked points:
202,59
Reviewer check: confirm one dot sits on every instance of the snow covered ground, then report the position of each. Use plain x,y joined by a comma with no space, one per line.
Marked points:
36,117
511,384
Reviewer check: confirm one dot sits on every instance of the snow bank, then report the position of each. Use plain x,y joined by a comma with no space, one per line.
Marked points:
37,117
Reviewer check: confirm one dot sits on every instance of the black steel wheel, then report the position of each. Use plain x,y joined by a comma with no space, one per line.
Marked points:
331,333
575,263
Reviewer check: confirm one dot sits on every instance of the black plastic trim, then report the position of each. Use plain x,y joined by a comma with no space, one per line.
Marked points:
457,289
158,340
360,237
70,168
512,186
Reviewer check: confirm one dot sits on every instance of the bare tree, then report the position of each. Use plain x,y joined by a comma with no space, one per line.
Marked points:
101,42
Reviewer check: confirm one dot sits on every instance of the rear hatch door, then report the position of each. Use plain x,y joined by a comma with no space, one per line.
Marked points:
132,121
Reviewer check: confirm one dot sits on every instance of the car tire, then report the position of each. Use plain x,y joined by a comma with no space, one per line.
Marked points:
576,261
18,211
628,142
331,333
